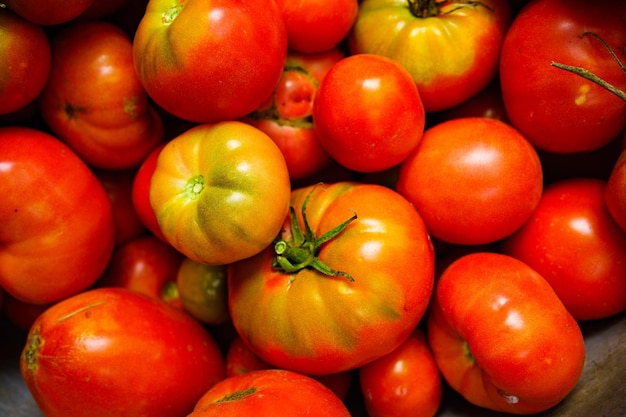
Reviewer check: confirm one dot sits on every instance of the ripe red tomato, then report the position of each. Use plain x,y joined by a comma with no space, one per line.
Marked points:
556,110
615,195
473,180
349,293
269,392
209,61
220,192
147,265
113,351
26,59
315,26
57,231
574,243
286,116
450,48
501,336
94,101
404,382
50,12
368,113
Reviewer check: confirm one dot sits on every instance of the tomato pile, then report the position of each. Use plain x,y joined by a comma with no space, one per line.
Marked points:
219,207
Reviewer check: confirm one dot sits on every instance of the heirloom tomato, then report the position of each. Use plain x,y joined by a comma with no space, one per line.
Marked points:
269,392
210,60
367,113
93,99
556,110
220,192
405,382
287,114
501,336
574,243
26,58
57,231
346,282
451,48
474,180
117,352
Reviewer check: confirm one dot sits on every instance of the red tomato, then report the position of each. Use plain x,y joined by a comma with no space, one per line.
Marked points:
119,186
26,59
450,48
315,26
473,180
501,336
147,265
49,12
574,243
270,392
368,114
57,230
141,193
343,275
556,110
615,195
220,192
95,102
287,115
210,61
405,382
114,351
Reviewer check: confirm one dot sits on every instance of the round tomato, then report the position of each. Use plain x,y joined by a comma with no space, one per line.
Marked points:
269,392
287,115
574,243
26,58
209,61
404,382
450,48
94,101
556,110
220,192
50,12
114,351
335,287
57,231
315,26
615,195
501,336
368,114
474,180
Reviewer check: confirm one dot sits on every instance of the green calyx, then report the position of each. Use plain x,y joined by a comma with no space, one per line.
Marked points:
302,250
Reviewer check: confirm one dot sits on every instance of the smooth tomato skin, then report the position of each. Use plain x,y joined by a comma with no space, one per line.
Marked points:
141,193
367,113
50,12
86,354
473,180
26,58
269,392
452,55
404,382
615,194
573,242
57,223
556,110
247,45
94,101
340,325
487,306
220,192
315,26
145,264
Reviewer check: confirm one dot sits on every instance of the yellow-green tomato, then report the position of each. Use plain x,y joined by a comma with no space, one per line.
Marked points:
202,290
220,192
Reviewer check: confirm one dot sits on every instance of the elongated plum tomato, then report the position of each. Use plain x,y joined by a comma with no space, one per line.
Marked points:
115,351
208,61
220,192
